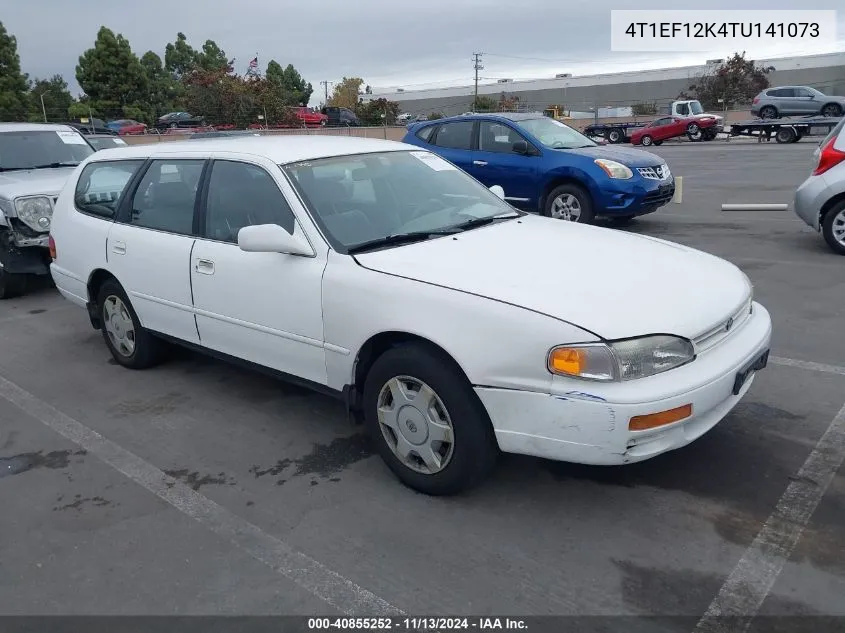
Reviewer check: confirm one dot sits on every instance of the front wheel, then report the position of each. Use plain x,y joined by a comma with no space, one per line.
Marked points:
428,425
571,203
833,228
615,136
130,344
832,110
646,140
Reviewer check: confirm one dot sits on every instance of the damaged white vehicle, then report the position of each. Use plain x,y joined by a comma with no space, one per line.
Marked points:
453,325
35,161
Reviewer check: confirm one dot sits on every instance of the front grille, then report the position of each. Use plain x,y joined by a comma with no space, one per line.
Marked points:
660,196
720,332
658,172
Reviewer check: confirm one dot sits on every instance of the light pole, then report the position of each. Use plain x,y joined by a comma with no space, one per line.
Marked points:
43,109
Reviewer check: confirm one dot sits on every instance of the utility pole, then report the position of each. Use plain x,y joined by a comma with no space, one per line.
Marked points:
43,109
325,84
476,58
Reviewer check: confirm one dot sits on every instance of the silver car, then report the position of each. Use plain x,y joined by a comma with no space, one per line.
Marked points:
773,103
820,200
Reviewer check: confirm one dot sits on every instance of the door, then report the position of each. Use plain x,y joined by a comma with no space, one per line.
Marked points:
784,100
496,163
805,102
149,247
454,142
262,307
662,129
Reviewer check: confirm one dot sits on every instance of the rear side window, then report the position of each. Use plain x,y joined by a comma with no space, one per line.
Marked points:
164,200
425,133
457,135
101,185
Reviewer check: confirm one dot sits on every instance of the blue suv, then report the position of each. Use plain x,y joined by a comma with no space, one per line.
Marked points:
547,167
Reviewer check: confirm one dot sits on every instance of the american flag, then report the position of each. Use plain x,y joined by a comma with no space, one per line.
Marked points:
254,62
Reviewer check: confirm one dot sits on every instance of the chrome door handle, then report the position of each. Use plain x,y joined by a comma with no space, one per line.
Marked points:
204,266
119,248
480,163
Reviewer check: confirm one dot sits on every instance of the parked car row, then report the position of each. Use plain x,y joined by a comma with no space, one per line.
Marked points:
401,285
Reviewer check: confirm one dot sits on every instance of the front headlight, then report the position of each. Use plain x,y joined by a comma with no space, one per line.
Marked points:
621,360
36,212
615,169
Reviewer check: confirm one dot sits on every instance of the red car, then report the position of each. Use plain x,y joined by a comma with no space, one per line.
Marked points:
695,127
128,126
309,117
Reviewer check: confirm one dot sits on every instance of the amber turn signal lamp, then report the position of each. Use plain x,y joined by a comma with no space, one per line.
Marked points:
653,420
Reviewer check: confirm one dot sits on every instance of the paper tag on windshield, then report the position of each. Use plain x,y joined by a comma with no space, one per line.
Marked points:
71,138
434,161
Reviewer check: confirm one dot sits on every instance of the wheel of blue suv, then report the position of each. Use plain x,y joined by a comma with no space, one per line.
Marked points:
427,423
130,344
570,202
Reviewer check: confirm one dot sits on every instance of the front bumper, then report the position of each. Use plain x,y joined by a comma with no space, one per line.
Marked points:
635,197
810,197
21,253
587,423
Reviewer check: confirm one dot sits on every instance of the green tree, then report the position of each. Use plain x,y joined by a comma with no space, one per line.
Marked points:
212,57
484,103
112,76
179,57
163,91
14,100
435,115
378,112
295,90
735,82
347,93
644,109
57,99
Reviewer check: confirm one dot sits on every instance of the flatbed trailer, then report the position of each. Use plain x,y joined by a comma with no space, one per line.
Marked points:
785,130
614,132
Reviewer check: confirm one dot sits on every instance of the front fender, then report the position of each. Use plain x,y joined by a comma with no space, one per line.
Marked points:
495,344
573,173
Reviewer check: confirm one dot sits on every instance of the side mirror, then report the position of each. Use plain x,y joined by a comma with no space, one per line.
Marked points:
272,238
497,189
521,147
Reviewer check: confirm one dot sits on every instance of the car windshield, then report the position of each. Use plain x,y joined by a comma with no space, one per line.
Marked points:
42,149
695,108
106,142
554,134
364,198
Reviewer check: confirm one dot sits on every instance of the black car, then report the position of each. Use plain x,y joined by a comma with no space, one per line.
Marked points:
341,117
91,126
179,120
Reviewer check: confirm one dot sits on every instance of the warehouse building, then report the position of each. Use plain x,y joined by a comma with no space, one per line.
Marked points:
618,90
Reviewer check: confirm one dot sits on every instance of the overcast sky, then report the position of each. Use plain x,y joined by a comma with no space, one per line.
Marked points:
414,45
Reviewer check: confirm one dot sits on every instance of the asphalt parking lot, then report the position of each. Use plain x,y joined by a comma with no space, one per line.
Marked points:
200,488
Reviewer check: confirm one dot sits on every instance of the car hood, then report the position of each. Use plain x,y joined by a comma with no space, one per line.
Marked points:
31,182
625,155
611,283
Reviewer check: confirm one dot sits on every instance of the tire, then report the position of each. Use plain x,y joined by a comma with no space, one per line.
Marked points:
585,212
614,136
785,135
646,141
473,451
11,284
834,221
147,350
832,110
768,112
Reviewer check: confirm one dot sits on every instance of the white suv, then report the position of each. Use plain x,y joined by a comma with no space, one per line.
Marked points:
388,277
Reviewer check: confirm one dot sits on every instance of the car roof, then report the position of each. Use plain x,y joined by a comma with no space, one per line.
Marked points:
281,149
35,127
507,116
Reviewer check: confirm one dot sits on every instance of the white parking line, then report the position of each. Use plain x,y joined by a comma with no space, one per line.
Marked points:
804,364
747,586
337,591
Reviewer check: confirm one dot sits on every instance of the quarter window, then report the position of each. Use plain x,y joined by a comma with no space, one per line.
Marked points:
165,197
425,133
239,195
101,185
457,135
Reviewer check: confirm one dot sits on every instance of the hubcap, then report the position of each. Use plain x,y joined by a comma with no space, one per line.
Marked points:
566,207
838,228
118,325
415,424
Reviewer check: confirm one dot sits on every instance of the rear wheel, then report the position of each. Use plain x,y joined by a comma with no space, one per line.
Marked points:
570,202
615,136
130,344
646,140
786,135
833,228
768,112
427,423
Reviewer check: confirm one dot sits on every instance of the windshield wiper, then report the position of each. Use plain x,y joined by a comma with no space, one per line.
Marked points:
399,238
476,222
54,165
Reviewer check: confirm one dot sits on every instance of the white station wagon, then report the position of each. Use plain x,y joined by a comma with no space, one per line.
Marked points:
386,276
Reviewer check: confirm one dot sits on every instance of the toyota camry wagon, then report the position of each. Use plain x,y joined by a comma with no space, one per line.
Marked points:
384,275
